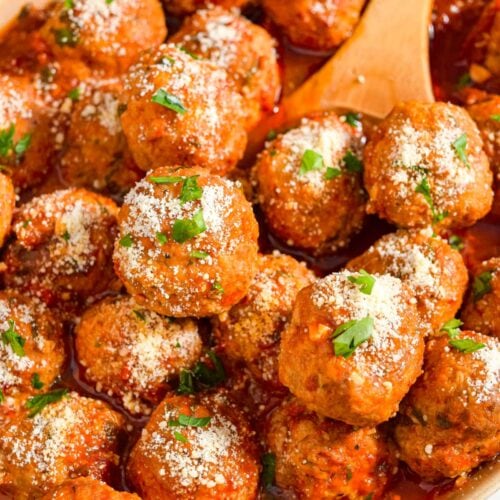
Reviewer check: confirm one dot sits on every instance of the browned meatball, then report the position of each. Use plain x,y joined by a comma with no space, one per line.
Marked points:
131,352
315,24
31,349
309,186
486,114
246,51
86,488
96,154
450,420
182,111
322,458
195,448
482,309
63,246
352,348
106,35
187,243
182,7
25,139
424,165
428,265
251,330
69,437
7,204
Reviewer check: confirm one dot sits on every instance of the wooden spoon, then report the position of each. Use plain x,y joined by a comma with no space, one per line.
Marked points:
386,60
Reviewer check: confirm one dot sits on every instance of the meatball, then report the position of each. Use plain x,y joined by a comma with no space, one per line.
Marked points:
96,155
246,51
323,458
187,243
309,186
63,246
427,264
424,165
251,330
71,436
86,488
315,24
31,349
486,114
106,35
131,352
195,447
182,110
26,144
450,420
183,7
352,348
7,204
482,309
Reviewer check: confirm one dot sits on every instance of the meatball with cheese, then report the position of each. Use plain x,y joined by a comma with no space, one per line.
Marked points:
195,447
183,7
181,110
7,204
482,308
251,330
308,183
187,244
86,488
59,437
62,248
106,35
26,144
130,352
315,24
450,421
427,264
352,348
321,458
246,51
31,350
424,165
95,151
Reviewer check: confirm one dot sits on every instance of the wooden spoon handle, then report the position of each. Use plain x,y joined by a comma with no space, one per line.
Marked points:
385,61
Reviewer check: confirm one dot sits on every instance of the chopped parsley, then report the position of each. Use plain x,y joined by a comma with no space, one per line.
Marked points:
162,238
2,397
352,163
353,119
332,173
170,179
268,469
272,134
198,254
350,335
139,314
481,285
311,160
8,146
186,383
464,80
68,4
218,287
74,94
37,403
365,281
66,236
189,53
189,421
452,327
424,189
460,146
466,345
495,117
12,338
36,383
210,376
169,101
126,241
180,437
165,60
190,190
185,229
456,242
65,36
109,2
22,145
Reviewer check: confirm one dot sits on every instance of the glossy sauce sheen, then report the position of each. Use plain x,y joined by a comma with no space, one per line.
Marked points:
482,241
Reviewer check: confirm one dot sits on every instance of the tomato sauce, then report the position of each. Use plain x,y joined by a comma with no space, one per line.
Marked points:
482,241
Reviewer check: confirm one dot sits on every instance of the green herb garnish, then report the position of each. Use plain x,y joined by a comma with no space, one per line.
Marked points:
456,242
217,287
452,327
185,229
481,285
311,160
139,314
190,190
495,117
272,134
350,335
198,254
169,101
65,36
12,338
352,163
460,146
180,437
186,383
332,173
171,179
37,403
36,383
189,421
126,241
162,238
268,469
424,189
466,345
353,119
2,397
464,80
365,281
74,94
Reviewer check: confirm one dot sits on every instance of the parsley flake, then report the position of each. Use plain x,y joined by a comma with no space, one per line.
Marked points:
481,285
198,254
424,189
74,94
332,173
180,437
12,338
139,314
352,163
189,53
218,287
185,229
272,134
495,117
190,190
311,160
268,469
189,421
37,403
2,397
169,101
22,145
65,36
162,238
460,146
210,376
36,383
7,140
465,80
126,241
350,335
452,327
466,345
365,281
353,119
66,236
171,179
186,383
456,242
